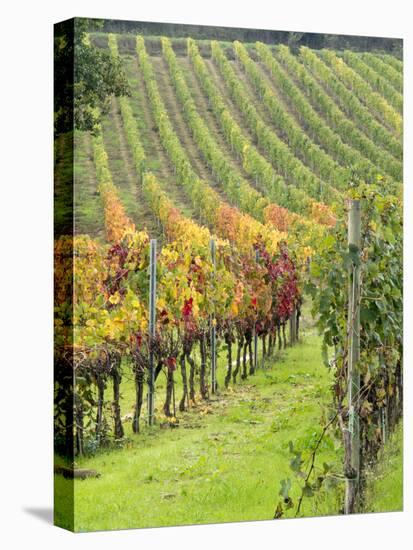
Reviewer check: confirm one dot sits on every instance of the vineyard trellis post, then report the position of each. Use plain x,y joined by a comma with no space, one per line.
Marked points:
213,331
353,451
257,257
152,327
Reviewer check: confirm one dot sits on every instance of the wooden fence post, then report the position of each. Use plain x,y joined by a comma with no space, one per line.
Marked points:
354,242
152,331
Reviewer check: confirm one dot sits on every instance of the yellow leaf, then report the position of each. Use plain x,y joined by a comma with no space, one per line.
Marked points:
114,299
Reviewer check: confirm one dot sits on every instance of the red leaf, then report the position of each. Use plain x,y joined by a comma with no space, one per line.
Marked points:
171,363
187,309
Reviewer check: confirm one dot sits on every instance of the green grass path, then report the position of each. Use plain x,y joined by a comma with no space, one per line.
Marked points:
225,460
384,491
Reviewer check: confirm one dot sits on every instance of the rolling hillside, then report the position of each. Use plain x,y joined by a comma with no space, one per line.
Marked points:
289,129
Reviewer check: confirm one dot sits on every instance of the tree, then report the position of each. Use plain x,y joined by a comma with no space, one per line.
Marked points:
293,40
85,77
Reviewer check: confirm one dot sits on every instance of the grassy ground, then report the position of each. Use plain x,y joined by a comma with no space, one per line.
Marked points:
225,459
88,210
223,463
385,482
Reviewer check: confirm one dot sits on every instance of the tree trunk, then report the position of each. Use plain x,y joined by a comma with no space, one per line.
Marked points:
69,423
101,395
292,327
297,323
284,337
169,391
184,398
139,382
271,341
244,374
238,363
202,375
79,425
191,378
251,354
399,385
119,433
279,336
158,370
228,339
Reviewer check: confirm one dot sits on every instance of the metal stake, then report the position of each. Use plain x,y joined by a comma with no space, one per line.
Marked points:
213,332
152,330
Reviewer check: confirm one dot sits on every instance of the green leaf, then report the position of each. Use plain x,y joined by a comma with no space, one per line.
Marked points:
388,234
296,462
307,490
279,511
315,270
285,488
328,241
367,315
326,467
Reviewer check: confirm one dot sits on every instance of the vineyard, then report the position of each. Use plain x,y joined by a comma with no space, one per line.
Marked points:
231,301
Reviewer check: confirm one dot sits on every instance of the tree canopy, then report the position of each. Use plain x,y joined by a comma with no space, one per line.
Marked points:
85,77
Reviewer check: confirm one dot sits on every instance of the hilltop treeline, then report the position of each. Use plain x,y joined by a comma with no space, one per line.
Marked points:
294,39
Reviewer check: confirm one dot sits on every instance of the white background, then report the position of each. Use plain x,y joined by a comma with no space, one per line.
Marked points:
26,226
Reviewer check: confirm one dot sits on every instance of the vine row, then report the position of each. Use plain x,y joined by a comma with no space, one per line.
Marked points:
378,105
347,129
303,147
392,74
277,150
374,79
228,221
350,104
394,62
116,220
313,123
